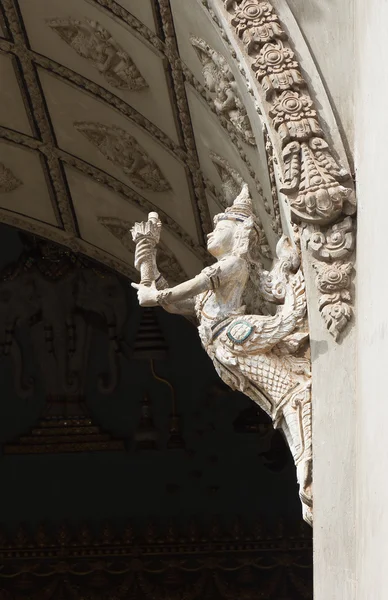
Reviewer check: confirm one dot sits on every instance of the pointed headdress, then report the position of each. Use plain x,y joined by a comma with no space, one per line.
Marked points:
241,212
241,208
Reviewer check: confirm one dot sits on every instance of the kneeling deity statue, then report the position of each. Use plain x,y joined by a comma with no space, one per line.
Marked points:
252,322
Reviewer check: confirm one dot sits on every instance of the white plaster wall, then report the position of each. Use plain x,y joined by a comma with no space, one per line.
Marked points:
328,28
334,425
329,31
371,164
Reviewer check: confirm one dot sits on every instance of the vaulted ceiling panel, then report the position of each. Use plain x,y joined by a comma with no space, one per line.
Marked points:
88,40
104,221
122,101
12,108
212,131
143,10
23,184
92,131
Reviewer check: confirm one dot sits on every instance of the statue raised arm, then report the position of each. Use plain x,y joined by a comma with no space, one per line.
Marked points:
264,356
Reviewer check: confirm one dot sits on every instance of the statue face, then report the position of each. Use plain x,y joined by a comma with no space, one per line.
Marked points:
221,240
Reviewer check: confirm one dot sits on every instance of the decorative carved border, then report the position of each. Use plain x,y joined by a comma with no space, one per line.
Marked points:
320,192
197,539
109,182
269,150
26,72
116,10
172,54
157,563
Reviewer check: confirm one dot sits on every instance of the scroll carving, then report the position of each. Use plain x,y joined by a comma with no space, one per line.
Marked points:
320,191
125,152
95,43
221,84
8,181
255,349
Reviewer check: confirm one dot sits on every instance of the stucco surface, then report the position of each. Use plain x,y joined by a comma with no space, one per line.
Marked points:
371,160
329,30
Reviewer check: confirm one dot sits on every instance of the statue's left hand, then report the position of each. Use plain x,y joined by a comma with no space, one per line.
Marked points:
147,296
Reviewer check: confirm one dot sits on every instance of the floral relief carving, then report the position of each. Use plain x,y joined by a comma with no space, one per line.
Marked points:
333,282
125,152
257,23
319,190
294,117
338,242
95,43
8,181
220,82
334,269
311,171
276,69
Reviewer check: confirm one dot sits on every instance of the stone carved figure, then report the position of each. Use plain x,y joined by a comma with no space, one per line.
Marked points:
220,82
123,150
254,349
93,42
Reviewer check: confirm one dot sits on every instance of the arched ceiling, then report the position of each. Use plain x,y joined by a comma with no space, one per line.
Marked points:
105,115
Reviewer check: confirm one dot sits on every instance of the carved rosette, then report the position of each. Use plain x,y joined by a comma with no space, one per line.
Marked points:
276,69
256,24
319,190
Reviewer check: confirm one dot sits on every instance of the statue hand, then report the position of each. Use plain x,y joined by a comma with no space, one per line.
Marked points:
147,296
